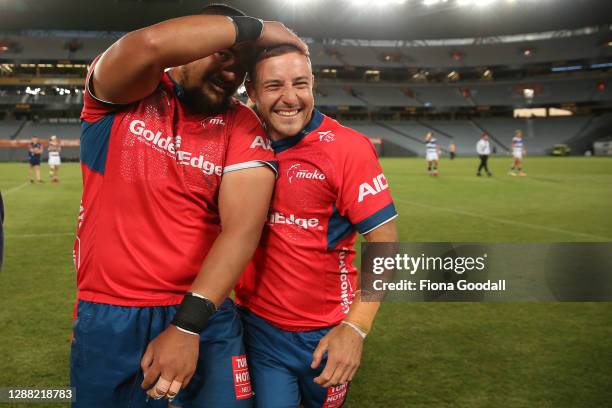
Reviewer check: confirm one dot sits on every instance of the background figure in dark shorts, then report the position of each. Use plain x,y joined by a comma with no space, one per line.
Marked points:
34,153
452,150
483,147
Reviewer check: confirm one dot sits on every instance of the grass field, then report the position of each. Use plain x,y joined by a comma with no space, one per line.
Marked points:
419,354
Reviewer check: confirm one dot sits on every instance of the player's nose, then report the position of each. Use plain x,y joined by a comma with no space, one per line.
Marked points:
289,97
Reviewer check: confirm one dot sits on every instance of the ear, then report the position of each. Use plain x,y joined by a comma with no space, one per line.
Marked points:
250,88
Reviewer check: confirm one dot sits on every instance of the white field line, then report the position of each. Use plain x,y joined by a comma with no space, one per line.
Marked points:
503,221
42,235
12,190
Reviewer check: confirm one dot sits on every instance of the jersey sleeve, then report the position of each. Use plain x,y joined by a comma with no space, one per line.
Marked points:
95,108
248,145
364,197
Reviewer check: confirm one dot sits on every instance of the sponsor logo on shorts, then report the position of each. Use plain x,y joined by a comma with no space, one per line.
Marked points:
335,396
242,380
297,172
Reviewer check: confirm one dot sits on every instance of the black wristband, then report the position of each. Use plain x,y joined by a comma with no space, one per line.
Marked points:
247,28
193,313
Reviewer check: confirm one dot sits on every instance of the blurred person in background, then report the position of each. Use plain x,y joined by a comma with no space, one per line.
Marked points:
518,151
432,154
452,150
35,150
55,160
483,148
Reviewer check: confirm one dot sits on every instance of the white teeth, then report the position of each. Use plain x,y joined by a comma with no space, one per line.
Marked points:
287,113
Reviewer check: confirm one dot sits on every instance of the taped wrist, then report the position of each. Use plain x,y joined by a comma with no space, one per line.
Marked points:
247,28
193,313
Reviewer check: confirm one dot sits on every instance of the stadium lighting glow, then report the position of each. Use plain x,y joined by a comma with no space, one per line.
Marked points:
604,65
379,3
477,3
564,69
34,91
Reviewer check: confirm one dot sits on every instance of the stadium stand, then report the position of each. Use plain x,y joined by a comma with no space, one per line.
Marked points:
356,53
373,85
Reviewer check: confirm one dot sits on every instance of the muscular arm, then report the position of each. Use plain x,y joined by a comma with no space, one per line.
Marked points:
244,200
132,67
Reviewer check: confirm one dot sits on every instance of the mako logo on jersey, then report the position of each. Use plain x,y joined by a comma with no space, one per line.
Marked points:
217,121
379,183
305,223
327,136
296,172
262,142
137,127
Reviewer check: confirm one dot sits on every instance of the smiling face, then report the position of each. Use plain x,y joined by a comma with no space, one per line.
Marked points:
282,90
210,82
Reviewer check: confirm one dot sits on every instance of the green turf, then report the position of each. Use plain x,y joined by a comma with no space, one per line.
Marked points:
419,354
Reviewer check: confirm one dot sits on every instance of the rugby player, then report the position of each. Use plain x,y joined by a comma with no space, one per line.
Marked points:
304,318
170,162
35,150
432,154
518,151
55,159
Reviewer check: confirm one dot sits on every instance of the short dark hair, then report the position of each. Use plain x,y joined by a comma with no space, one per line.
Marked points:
275,51
222,9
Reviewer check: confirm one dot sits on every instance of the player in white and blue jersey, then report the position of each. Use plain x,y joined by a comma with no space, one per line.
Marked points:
518,151
432,154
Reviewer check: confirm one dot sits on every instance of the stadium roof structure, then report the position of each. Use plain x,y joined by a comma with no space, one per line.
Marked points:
374,20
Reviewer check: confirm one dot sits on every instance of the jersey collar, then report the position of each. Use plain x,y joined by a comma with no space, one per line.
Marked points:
284,144
178,89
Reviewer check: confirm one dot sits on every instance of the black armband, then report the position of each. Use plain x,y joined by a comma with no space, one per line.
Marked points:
193,313
247,28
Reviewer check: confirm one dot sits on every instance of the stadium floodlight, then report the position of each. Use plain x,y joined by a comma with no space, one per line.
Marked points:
379,3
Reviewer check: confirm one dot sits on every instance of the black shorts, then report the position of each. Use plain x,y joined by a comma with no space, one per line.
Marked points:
34,161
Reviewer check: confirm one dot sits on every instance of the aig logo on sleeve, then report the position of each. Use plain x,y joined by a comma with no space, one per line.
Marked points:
379,183
261,142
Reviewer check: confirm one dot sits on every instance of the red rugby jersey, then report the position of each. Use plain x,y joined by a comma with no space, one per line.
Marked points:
151,177
330,185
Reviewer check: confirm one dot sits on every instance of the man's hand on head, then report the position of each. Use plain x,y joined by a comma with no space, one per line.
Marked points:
275,33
